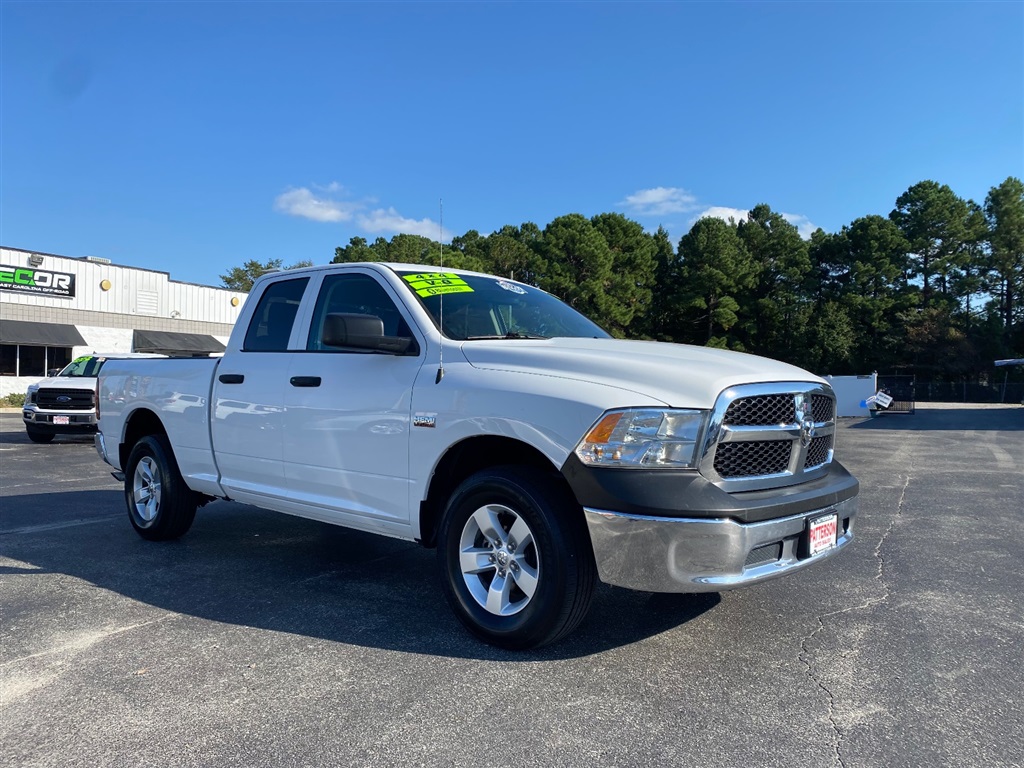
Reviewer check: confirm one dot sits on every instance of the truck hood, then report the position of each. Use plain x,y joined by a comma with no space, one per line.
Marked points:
677,375
66,382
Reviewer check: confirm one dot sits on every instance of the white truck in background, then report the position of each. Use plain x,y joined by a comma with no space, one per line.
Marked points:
65,403
486,418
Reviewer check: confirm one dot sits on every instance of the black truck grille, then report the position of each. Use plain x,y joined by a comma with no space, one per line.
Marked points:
822,408
65,399
766,457
761,411
817,451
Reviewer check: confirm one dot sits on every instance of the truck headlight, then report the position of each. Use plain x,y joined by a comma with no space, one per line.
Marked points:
643,438
30,395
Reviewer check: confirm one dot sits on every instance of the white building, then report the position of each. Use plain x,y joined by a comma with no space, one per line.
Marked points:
55,308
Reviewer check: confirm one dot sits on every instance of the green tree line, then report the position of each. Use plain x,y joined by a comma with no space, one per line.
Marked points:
934,288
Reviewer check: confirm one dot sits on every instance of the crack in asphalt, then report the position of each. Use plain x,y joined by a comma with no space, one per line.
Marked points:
58,526
869,602
87,640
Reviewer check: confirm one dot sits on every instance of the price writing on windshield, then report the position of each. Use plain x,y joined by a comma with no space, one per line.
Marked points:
435,283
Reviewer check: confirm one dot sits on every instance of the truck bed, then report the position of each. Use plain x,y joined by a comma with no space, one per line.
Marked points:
177,391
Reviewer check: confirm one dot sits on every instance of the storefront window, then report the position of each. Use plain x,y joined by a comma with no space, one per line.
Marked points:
8,359
28,360
57,358
31,360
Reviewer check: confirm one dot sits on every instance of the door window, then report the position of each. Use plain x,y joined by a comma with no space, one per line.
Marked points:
354,294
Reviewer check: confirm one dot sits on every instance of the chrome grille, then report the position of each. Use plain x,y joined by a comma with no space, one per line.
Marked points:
762,410
768,457
769,436
77,399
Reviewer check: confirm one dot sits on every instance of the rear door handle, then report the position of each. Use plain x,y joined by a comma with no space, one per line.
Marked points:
305,381
231,378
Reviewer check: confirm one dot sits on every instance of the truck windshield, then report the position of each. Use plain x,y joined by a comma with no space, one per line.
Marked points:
480,307
83,367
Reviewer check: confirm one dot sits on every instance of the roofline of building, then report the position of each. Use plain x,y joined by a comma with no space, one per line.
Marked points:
121,266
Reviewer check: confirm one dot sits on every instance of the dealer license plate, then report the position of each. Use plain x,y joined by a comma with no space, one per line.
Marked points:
61,419
822,533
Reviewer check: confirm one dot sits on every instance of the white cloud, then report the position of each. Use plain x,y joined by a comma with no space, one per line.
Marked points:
803,225
723,213
391,221
664,201
659,201
320,203
303,203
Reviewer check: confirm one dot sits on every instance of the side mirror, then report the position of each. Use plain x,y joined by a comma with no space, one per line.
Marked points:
361,332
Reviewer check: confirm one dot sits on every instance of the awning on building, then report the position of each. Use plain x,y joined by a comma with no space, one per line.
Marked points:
40,334
170,343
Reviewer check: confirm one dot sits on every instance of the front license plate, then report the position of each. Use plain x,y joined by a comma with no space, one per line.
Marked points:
61,419
822,533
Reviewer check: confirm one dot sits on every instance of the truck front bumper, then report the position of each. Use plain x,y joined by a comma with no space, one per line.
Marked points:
78,423
690,554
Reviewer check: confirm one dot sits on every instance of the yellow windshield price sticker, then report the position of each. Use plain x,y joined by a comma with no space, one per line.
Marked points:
82,359
436,283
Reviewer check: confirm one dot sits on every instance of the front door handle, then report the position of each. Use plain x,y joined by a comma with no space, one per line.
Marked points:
305,381
231,378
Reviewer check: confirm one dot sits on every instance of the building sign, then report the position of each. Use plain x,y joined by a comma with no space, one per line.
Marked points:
37,281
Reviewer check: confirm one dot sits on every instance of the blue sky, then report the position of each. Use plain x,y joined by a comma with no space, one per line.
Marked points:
192,136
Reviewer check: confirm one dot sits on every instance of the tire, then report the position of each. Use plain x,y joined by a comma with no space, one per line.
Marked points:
39,437
516,594
160,505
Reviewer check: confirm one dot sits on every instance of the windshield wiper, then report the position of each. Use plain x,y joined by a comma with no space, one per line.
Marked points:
509,335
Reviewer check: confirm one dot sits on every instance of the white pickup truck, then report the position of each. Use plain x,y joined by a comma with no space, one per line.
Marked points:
64,404
486,418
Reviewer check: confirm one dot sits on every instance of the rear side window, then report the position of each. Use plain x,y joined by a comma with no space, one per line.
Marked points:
271,324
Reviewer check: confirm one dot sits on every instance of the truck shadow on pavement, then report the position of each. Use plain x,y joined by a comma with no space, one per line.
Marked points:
21,438
983,419
244,566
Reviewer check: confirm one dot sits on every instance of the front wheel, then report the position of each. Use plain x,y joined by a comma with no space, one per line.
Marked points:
515,558
38,436
160,505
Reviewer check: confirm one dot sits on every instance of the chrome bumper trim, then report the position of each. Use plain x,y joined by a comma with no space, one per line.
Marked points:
663,554
75,418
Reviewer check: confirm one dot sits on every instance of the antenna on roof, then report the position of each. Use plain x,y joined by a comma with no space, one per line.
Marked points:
440,312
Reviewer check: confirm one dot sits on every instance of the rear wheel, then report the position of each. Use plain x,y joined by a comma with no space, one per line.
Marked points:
160,505
515,558
38,436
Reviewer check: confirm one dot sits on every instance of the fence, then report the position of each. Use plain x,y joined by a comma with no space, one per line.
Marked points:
901,388
906,390
968,392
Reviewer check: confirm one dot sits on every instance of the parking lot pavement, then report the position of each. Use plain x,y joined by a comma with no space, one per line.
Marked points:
265,640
